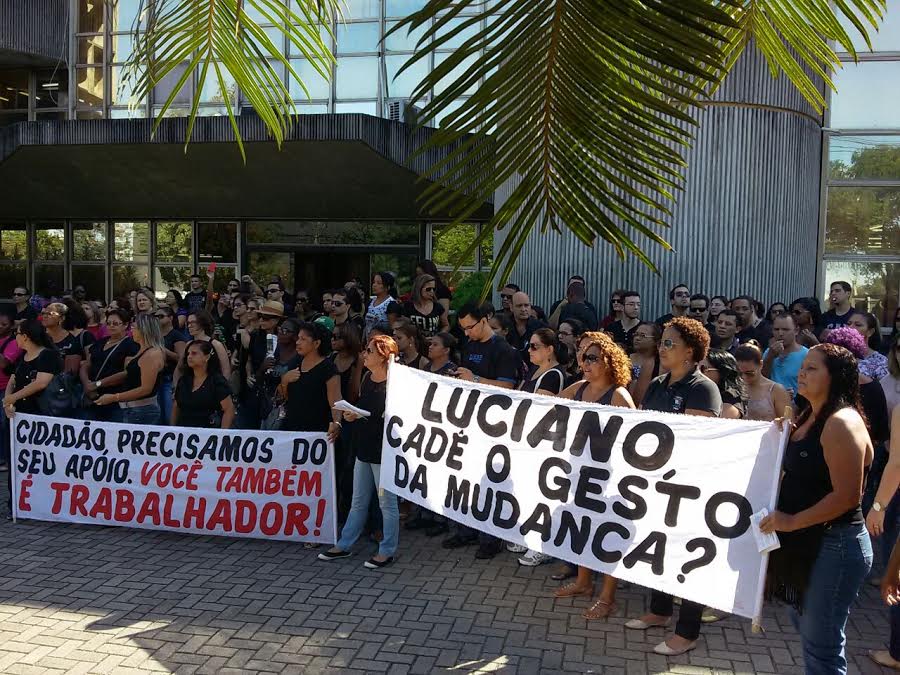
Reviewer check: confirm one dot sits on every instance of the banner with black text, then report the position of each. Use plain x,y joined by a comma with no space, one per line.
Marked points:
657,499
263,484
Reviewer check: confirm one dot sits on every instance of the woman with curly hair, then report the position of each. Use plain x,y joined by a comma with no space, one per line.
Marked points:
607,372
684,390
825,551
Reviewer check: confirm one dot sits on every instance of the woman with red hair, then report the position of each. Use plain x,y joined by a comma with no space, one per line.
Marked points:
364,436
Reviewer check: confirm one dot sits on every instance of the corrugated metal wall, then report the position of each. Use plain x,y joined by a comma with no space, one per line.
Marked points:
747,221
36,28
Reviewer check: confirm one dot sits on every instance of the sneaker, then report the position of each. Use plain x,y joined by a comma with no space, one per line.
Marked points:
373,564
334,555
457,541
534,558
516,548
489,550
437,529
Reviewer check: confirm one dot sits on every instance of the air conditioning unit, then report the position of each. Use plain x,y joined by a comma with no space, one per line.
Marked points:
403,110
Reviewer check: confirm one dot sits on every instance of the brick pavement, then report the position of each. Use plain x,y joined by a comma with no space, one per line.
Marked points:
85,599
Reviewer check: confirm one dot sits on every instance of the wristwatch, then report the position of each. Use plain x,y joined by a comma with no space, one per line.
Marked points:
98,383
476,379
876,506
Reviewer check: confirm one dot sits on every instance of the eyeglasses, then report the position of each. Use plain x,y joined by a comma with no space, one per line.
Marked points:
272,290
265,317
565,334
533,346
682,294
284,331
337,303
590,358
428,290
18,295
698,310
161,315
504,296
617,301
668,344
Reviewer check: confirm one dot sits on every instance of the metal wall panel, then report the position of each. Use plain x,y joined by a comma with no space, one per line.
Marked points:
746,222
34,31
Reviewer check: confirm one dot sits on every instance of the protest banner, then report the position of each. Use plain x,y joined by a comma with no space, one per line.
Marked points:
265,484
657,499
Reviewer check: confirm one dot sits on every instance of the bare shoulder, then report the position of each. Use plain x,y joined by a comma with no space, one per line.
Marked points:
569,392
843,425
622,397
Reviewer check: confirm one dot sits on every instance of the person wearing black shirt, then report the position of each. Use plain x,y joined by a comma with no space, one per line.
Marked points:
340,307
441,293
752,327
424,311
197,298
577,307
24,310
312,389
486,359
104,370
53,316
623,330
680,300
682,390
722,368
34,370
174,342
365,437
839,296
524,326
202,397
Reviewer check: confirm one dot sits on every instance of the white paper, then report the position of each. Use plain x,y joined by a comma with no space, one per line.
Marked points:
765,543
343,406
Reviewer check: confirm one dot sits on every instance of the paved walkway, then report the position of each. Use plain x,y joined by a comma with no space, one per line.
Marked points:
107,600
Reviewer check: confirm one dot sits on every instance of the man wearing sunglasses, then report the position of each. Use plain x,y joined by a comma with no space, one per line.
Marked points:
487,359
680,301
506,296
623,331
24,310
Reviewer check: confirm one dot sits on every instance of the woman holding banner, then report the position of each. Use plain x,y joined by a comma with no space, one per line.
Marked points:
143,375
607,372
825,550
313,387
365,437
203,396
682,390
34,370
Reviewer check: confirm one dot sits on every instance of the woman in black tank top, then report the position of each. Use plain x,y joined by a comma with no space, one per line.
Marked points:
607,372
143,375
825,551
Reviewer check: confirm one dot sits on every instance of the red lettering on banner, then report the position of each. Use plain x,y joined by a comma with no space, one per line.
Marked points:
168,521
253,480
103,505
177,482
296,519
164,475
124,507
195,510
25,494
309,484
147,471
271,508
58,489
150,509
288,485
80,495
223,471
244,516
273,481
234,481
221,516
192,475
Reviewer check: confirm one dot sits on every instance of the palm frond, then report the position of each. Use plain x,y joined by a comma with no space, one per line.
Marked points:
175,38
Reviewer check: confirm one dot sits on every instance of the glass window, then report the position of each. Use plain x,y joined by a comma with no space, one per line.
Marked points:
357,77
132,114
403,40
267,264
317,86
294,50
13,242
93,278
313,233
90,50
403,86
363,107
401,265
312,108
353,38
50,242
875,285
13,89
487,252
223,274
12,275
90,16
460,38
867,96
126,278
403,8
455,74
51,89
212,90
275,35
88,241
49,279
122,47
864,157
174,242
122,87
448,244
362,9
886,39
123,14
171,276
89,114
89,87
217,242
162,90
131,242
863,220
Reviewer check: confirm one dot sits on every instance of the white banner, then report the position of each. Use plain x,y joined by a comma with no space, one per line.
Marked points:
656,499
264,484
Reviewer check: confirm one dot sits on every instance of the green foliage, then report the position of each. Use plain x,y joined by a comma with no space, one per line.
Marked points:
469,289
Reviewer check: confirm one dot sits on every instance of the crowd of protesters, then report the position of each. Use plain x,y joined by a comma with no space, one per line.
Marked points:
261,357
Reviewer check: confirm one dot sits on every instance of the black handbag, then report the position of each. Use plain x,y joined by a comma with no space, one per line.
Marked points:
61,398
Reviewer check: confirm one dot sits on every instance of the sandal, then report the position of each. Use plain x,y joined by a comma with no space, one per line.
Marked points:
567,572
311,545
572,590
601,609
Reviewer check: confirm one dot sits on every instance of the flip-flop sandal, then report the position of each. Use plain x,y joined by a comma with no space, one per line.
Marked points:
562,576
572,591
600,610
310,545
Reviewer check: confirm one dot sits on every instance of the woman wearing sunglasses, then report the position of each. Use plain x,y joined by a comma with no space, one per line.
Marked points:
807,316
607,371
684,390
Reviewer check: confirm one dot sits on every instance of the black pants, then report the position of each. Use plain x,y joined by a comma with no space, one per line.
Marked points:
688,625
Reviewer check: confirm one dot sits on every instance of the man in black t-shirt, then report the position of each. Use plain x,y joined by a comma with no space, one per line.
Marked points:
839,296
196,298
486,359
752,327
680,301
622,331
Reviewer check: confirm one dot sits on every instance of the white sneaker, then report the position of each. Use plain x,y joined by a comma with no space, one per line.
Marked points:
534,558
516,548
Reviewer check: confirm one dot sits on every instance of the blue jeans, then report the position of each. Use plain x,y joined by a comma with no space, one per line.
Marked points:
837,574
164,400
145,414
365,485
